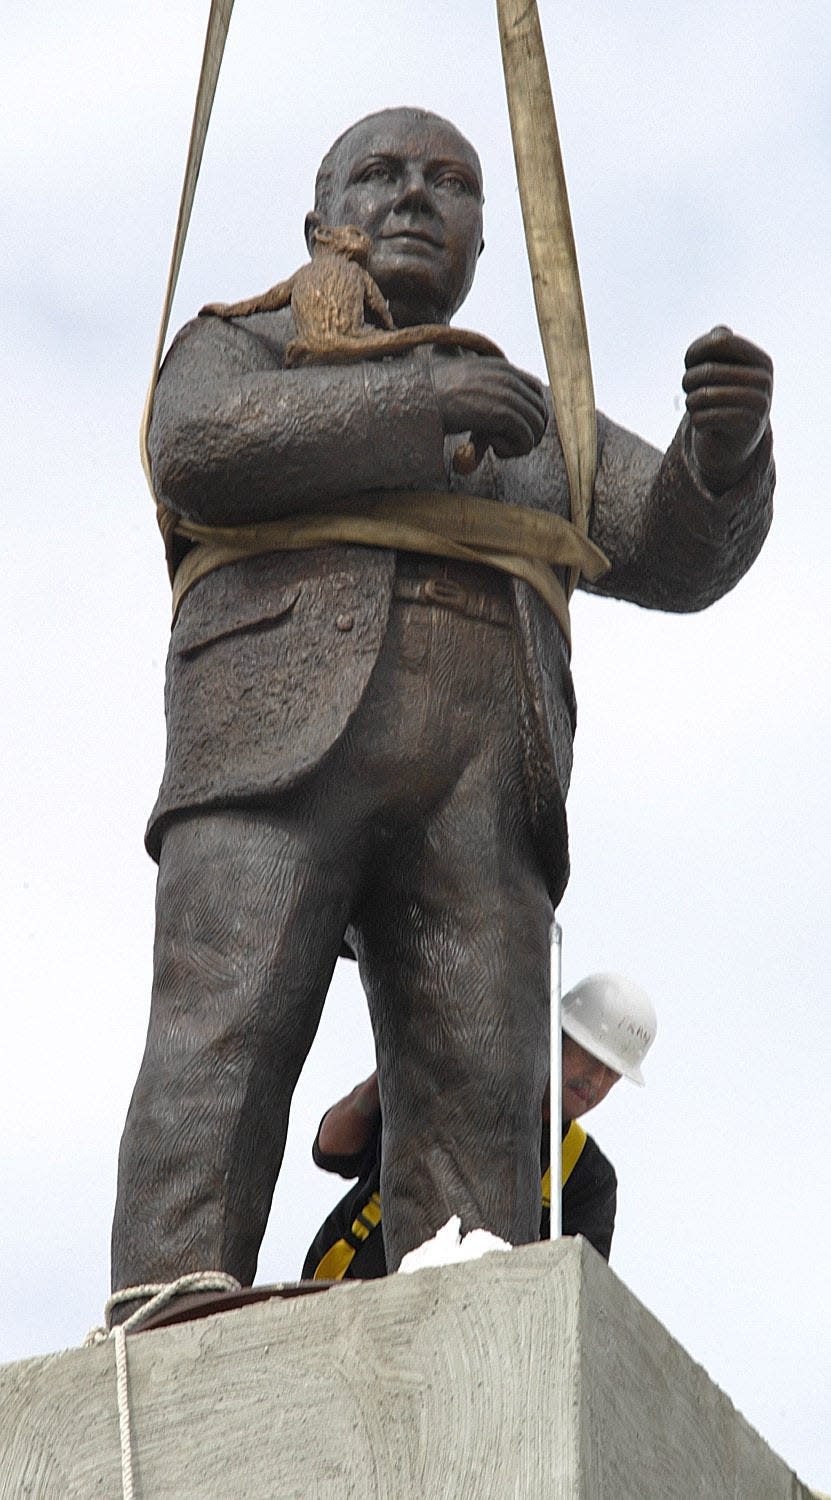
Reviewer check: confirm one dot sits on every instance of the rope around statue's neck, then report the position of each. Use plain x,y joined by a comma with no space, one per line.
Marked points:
156,1296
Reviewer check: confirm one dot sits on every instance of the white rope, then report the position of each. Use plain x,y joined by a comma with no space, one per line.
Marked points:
156,1295
123,1399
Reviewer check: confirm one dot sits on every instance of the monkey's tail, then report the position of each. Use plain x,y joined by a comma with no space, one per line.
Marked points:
375,342
271,301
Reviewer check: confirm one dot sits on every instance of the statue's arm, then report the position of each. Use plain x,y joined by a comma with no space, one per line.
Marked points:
681,529
236,437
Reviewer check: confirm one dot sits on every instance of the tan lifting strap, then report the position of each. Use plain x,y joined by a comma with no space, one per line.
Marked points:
560,314
551,250
218,23
525,543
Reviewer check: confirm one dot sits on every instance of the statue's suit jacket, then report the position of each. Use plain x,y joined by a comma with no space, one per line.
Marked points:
270,658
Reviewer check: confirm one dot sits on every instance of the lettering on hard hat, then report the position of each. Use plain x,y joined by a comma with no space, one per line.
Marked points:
638,1031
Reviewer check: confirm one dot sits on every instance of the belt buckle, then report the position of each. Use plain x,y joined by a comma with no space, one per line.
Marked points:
446,591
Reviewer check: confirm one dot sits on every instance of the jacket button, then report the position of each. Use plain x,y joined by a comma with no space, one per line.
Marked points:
345,622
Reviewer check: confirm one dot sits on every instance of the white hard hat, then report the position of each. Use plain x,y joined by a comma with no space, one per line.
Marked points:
612,1019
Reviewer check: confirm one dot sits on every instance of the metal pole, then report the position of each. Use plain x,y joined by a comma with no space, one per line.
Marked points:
556,1084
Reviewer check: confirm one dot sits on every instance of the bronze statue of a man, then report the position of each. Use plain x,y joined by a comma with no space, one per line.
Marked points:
380,740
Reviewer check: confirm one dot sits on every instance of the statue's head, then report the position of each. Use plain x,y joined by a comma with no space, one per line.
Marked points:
413,184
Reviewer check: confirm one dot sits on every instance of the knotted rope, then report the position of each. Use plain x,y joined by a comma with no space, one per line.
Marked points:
157,1295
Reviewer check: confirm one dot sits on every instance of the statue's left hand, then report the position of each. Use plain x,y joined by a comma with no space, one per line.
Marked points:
729,383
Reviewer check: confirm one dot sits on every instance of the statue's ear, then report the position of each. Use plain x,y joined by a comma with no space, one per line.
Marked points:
313,220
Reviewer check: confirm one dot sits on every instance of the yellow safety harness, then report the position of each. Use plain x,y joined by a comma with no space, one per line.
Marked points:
339,1257
573,1143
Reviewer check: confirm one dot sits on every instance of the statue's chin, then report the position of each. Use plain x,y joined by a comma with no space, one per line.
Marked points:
414,289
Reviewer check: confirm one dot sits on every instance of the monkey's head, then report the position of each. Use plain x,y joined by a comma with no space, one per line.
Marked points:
342,239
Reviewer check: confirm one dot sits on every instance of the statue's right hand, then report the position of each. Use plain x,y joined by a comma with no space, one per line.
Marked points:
500,406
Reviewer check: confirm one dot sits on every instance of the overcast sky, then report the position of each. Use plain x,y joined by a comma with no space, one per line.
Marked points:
696,141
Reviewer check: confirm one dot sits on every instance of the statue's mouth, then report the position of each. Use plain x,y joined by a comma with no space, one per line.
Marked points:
411,236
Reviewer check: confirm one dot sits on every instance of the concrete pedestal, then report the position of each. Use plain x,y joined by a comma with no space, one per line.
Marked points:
533,1375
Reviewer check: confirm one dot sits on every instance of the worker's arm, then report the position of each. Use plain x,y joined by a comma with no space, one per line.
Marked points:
348,1133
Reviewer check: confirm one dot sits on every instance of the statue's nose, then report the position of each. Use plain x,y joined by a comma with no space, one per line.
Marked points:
415,195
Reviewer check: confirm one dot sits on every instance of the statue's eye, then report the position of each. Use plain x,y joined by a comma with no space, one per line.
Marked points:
454,182
375,171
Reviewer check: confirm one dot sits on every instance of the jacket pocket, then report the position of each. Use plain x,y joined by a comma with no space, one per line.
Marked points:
196,629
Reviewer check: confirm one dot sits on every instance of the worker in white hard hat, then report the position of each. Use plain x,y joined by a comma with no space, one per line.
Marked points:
608,1026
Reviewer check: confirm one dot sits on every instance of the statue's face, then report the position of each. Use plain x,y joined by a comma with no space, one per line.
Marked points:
414,185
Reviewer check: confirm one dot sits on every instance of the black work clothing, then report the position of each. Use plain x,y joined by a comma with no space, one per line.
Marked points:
352,1236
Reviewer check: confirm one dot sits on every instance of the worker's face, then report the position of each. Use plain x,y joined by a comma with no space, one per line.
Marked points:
586,1080
414,185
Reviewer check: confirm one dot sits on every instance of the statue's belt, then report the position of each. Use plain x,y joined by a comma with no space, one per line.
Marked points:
514,539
